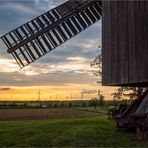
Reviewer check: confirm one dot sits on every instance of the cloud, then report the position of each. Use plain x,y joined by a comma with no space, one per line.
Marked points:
69,63
88,91
7,65
5,89
19,12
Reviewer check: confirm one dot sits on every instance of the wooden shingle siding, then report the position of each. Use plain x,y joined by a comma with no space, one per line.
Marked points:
125,43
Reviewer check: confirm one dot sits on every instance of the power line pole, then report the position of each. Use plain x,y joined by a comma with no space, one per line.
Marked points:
39,95
82,95
56,97
99,94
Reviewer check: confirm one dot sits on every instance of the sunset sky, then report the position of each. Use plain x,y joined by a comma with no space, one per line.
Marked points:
62,73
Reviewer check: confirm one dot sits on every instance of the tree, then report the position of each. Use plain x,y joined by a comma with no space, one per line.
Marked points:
49,104
118,94
133,92
70,104
101,100
55,105
94,102
25,105
62,104
130,92
97,65
83,104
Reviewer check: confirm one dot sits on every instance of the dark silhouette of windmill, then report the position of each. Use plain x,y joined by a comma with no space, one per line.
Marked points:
124,45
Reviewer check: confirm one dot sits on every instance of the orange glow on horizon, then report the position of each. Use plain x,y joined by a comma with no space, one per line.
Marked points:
65,92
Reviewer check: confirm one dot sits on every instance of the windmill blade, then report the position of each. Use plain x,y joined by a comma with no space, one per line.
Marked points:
39,36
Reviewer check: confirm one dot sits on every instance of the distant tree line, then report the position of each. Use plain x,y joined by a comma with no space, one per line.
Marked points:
94,102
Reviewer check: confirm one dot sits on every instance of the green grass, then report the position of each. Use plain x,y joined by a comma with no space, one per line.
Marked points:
101,110
82,132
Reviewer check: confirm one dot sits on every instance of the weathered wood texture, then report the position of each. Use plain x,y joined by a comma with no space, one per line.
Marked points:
125,43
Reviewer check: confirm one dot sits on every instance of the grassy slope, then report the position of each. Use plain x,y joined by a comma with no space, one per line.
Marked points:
90,132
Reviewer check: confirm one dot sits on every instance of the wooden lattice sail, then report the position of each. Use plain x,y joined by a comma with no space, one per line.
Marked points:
39,36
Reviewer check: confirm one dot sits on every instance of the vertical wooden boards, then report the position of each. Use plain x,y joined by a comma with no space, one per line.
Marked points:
125,43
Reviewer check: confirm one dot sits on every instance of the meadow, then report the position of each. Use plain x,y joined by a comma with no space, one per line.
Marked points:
92,131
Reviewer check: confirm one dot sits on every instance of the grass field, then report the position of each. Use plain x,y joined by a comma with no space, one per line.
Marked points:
79,132
99,110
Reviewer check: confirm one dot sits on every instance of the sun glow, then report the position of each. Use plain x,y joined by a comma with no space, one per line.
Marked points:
65,92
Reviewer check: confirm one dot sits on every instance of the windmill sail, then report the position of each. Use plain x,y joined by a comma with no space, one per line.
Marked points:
39,36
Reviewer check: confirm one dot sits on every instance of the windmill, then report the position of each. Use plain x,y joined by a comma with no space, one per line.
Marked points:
124,44
44,33
39,95
84,91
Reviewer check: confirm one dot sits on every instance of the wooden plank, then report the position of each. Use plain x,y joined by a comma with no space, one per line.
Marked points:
105,43
76,23
122,41
125,43
81,21
114,38
145,35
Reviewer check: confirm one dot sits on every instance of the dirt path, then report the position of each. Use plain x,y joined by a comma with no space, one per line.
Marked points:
18,114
